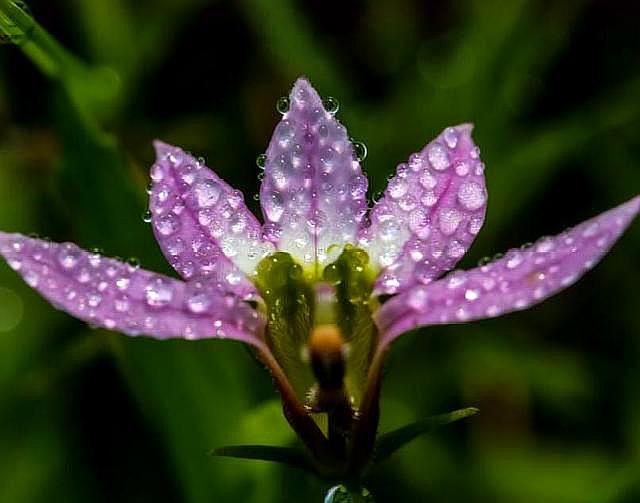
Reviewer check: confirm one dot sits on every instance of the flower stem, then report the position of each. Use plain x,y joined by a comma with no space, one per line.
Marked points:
19,27
93,90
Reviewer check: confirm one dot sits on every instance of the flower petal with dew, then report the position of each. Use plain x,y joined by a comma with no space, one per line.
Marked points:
313,193
431,212
521,278
202,224
115,295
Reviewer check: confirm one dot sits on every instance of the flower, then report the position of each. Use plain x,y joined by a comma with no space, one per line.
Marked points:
323,287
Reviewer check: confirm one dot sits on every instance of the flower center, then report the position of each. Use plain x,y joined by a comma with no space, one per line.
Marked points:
320,329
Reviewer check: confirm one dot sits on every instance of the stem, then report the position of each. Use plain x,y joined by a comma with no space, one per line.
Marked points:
369,416
93,90
298,418
45,52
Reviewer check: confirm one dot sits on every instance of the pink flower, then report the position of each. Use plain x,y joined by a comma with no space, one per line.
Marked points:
306,288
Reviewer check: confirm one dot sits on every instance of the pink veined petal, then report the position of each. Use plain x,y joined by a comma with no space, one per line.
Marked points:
520,279
111,294
313,194
431,212
202,224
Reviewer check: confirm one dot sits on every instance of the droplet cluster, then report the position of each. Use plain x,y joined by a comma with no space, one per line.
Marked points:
431,211
202,224
518,279
313,193
120,296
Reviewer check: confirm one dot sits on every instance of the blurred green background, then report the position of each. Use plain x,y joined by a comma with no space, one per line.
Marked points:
554,91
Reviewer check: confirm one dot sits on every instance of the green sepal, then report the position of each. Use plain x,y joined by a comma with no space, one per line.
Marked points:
390,442
289,304
276,454
353,280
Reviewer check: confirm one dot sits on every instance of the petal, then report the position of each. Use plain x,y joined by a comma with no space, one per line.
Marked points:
202,224
313,194
520,279
111,294
431,212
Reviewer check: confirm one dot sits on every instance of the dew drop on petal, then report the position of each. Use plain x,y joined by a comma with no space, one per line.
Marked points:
427,180
261,161
471,195
69,256
397,188
545,245
273,206
456,250
471,294
175,246
438,157
167,224
207,192
158,292
331,105
359,151
449,220
514,260
389,230
282,105
157,173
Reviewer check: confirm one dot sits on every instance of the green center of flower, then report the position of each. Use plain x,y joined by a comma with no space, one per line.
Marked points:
320,329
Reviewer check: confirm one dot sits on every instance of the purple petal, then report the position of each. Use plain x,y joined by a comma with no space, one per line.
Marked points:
431,212
313,194
520,279
202,224
111,294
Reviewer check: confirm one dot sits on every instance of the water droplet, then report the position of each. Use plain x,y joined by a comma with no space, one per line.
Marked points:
282,105
438,157
450,137
158,292
397,187
427,180
123,283
449,220
456,249
471,195
94,299
285,133
389,230
167,225
133,262
149,188
207,192
331,105
358,186
471,294
462,168
514,259
545,245
429,198
147,216
274,206
261,161
69,255
484,261
121,304
359,150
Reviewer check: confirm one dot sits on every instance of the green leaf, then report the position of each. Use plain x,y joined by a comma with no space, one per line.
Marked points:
390,442
286,455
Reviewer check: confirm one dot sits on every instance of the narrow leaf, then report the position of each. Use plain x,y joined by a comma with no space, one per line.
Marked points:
286,455
390,442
